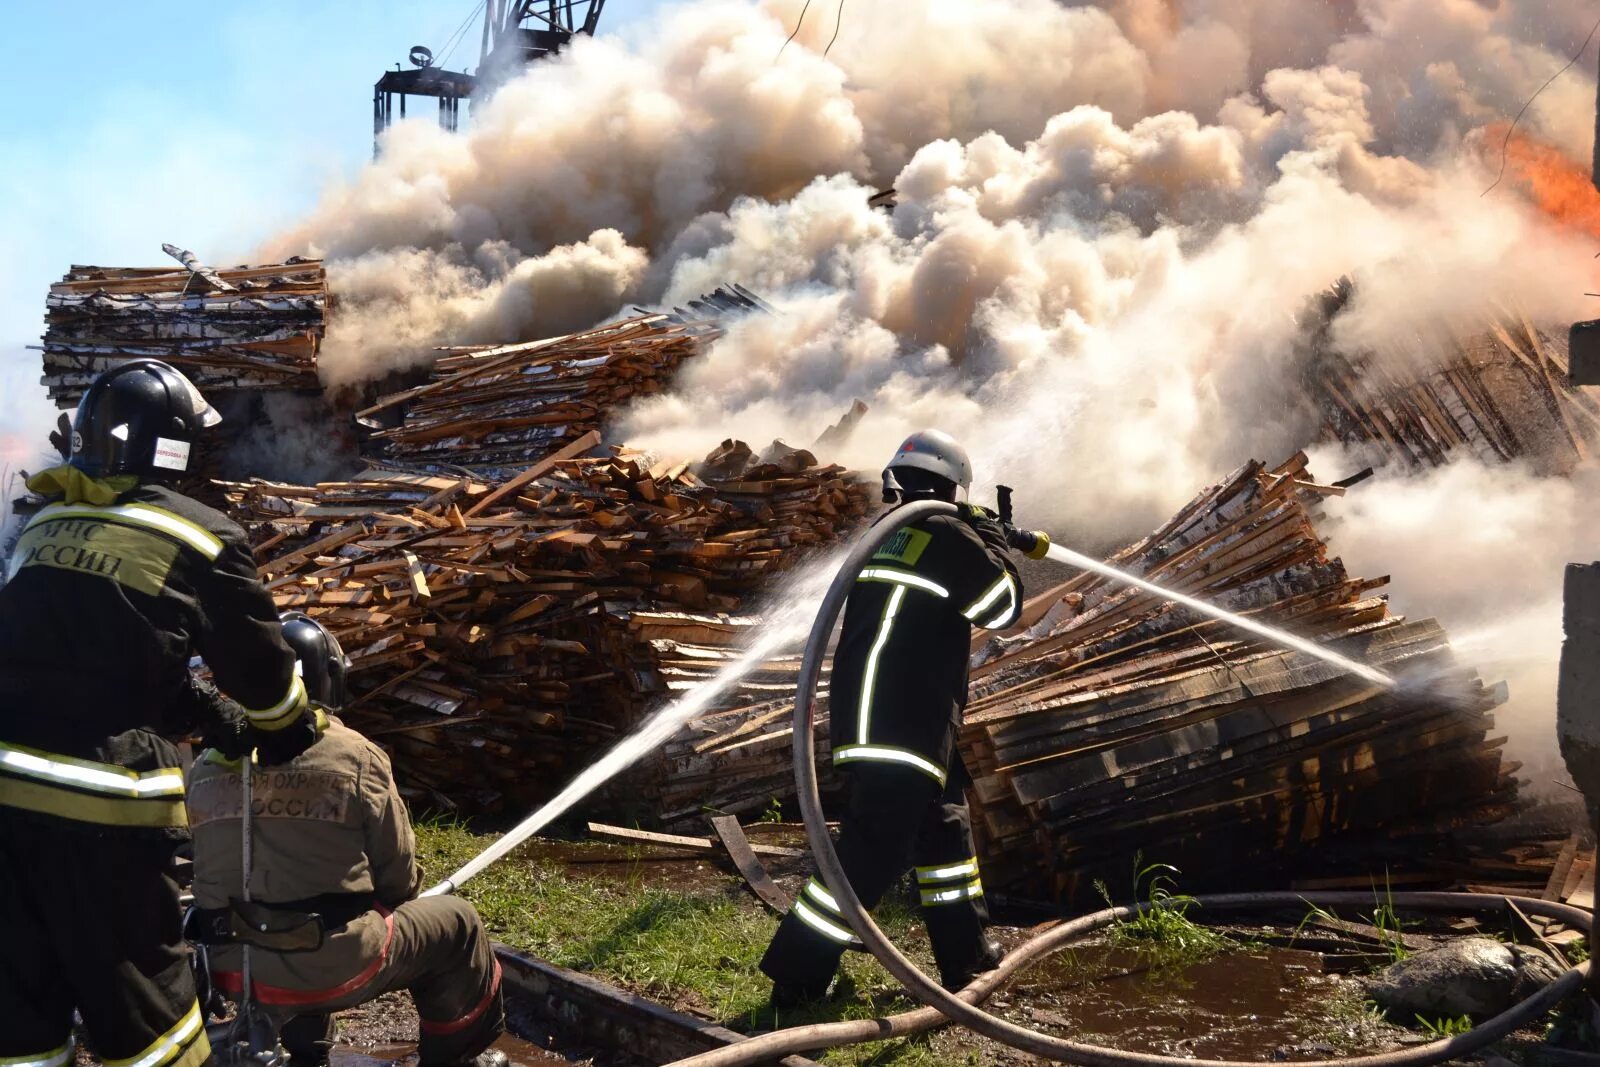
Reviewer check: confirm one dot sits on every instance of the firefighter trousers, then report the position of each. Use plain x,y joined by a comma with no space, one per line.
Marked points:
93,925
438,949
896,817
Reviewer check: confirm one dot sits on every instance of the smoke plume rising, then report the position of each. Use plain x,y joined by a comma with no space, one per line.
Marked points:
1109,218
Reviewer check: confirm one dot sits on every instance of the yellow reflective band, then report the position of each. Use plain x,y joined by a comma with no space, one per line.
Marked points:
284,711
944,874
889,754
196,537
54,1058
816,892
822,925
915,581
85,774
47,799
870,681
198,1054
972,889
1002,586
1001,619
166,1048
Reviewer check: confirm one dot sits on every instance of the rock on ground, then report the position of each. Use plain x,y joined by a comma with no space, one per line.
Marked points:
1473,976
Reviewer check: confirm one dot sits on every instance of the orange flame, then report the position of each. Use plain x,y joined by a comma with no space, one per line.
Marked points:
1555,184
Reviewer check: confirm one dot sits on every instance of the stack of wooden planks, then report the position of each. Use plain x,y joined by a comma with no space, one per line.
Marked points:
1499,394
493,407
737,757
1116,725
502,630
246,328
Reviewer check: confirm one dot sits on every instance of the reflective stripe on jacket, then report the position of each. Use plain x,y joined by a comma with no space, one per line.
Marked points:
899,679
88,791
102,610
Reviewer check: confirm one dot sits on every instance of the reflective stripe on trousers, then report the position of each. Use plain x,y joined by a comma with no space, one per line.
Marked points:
58,1057
185,1045
817,908
949,883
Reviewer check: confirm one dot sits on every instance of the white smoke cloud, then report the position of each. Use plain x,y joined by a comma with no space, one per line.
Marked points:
1110,216
1483,549
397,303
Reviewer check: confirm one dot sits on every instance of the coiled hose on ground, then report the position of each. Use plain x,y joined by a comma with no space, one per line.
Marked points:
963,1008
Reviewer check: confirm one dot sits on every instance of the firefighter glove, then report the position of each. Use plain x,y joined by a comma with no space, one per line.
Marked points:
229,736
986,523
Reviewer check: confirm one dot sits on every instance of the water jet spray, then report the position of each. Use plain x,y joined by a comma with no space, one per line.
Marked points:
782,626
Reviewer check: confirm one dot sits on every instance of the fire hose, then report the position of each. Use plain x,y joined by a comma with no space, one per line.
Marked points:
962,1008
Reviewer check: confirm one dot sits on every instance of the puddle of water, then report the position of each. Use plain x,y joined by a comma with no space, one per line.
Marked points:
518,1051
1256,1003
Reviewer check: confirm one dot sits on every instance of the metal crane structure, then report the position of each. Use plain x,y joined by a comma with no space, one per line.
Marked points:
448,87
515,33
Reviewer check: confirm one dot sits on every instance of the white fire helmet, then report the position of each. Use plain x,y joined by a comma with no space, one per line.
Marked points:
937,452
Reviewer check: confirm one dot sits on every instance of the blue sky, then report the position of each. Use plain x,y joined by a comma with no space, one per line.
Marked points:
127,125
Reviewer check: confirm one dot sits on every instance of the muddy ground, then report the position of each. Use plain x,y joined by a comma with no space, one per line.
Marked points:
683,929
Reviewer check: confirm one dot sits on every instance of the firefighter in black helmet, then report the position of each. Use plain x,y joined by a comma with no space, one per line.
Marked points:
898,688
112,587
335,859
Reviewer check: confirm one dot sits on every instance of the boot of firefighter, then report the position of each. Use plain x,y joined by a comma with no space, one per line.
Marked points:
308,1038
961,948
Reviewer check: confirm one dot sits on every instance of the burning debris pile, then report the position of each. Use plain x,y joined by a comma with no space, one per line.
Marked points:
256,328
501,630
1116,724
499,406
1498,395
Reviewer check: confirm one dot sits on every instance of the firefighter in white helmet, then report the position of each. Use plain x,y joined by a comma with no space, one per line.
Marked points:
898,689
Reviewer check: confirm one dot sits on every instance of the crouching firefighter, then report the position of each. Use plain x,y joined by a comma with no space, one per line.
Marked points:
332,918
112,587
898,690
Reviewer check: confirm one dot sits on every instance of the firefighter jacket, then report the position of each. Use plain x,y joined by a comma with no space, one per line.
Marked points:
899,679
330,834
111,590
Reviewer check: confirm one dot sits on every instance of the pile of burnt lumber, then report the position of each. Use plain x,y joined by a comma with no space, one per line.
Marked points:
501,631
737,757
1116,724
246,328
493,407
1498,394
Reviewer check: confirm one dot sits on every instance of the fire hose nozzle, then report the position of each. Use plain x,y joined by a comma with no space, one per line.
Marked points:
1031,543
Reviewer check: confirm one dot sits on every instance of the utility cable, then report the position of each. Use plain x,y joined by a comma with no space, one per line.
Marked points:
797,25
1505,147
838,20
456,38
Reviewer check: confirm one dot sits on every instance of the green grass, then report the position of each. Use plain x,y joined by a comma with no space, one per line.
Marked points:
1162,928
1442,1027
689,949
1391,931
1387,923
